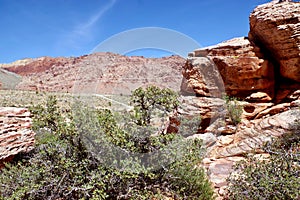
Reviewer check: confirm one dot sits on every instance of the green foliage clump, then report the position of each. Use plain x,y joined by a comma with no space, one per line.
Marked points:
189,126
145,101
275,177
234,109
48,116
64,164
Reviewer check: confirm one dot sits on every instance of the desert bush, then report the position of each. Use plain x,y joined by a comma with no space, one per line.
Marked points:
145,101
189,125
275,177
234,109
47,116
62,164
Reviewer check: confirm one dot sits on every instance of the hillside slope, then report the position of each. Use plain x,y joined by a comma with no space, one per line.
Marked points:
104,73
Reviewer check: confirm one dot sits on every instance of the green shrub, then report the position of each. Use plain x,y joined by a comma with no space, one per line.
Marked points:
234,109
62,164
145,101
189,125
276,177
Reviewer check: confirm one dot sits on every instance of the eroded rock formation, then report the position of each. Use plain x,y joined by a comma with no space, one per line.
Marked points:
276,27
239,63
15,133
267,61
263,70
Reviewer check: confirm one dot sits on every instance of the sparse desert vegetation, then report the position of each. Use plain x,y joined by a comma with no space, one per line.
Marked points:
110,126
66,162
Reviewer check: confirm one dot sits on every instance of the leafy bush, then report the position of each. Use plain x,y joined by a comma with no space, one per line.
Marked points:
275,177
189,125
62,164
145,101
234,109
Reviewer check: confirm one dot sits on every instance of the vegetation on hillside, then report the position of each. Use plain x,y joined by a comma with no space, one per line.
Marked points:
77,156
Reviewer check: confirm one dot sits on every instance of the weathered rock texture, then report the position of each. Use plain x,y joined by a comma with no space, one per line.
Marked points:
267,61
15,133
254,134
263,70
276,27
240,64
209,109
104,73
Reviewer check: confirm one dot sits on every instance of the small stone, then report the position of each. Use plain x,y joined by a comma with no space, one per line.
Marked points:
227,130
259,97
225,140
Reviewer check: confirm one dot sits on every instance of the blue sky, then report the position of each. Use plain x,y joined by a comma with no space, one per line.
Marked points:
34,28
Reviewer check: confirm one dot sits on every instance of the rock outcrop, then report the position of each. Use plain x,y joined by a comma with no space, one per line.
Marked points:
263,71
240,64
254,134
15,133
267,61
104,73
276,27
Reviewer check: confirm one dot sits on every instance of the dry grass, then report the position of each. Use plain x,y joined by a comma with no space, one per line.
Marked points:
18,98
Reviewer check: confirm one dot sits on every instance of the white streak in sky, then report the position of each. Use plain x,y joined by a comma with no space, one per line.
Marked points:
82,31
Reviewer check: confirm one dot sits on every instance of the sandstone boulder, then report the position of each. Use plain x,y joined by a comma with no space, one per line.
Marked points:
276,27
15,133
201,78
208,109
240,64
259,97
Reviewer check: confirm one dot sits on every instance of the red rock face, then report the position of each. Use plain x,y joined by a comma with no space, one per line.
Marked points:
268,61
276,26
239,63
15,133
104,73
39,65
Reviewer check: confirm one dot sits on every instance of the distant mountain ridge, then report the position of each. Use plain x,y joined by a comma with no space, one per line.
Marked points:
105,73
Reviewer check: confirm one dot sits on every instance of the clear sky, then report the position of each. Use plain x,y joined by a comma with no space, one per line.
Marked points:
34,28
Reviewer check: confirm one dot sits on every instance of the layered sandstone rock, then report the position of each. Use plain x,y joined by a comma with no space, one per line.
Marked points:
15,133
268,61
263,70
276,27
252,136
42,64
239,63
209,109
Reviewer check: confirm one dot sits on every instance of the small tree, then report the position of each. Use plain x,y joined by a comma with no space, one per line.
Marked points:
145,101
